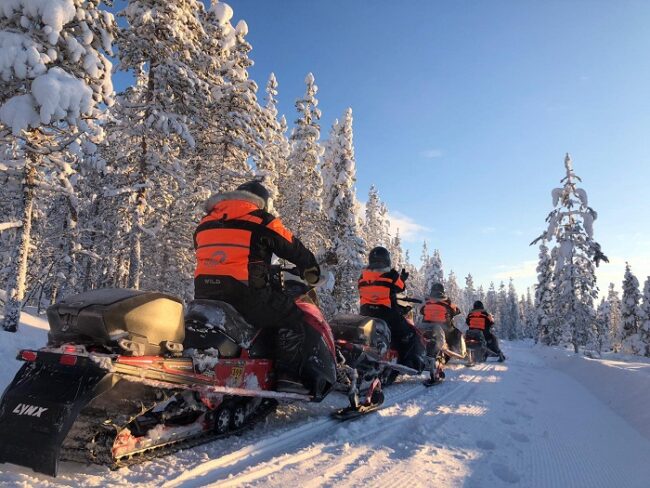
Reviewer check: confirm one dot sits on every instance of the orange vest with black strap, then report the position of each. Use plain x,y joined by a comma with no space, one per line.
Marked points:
236,236
439,311
377,288
479,319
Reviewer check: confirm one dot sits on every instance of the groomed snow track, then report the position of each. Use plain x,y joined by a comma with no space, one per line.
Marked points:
294,446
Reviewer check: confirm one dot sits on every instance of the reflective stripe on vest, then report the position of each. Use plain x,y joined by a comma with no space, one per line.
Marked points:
477,320
435,312
223,252
374,289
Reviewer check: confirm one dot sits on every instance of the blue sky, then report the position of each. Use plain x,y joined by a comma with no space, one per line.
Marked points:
463,112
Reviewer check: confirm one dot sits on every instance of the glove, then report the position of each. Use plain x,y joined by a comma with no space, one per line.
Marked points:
404,275
311,275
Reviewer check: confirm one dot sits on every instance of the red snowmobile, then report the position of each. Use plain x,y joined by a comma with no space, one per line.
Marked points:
116,385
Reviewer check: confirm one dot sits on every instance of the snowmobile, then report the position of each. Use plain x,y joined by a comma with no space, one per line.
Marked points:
477,347
121,379
365,344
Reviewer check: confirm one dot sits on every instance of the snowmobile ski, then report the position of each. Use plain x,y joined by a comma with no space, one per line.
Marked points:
351,413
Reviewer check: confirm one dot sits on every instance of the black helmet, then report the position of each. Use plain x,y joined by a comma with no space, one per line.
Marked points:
256,188
478,304
378,258
438,290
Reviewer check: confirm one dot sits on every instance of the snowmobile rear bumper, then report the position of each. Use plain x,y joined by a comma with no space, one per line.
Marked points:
41,404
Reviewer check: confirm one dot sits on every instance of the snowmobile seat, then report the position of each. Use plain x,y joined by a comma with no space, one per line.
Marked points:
132,321
359,329
215,324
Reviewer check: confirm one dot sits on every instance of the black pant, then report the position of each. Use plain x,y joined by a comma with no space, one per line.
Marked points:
404,339
491,339
263,308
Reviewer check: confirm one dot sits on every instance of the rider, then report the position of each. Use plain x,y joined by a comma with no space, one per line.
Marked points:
379,285
439,311
480,319
234,245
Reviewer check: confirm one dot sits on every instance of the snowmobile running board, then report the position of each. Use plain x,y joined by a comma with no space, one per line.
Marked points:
163,379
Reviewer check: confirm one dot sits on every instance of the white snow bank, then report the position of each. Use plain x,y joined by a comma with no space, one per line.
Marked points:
32,334
622,384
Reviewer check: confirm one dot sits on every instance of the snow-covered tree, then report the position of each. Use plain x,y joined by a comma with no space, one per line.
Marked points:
630,313
615,319
396,251
433,271
511,321
454,293
644,317
547,328
570,223
304,205
347,246
162,41
55,76
602,326
469,293
491,302
271,164
373,223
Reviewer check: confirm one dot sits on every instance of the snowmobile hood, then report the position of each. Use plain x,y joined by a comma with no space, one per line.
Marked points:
237,202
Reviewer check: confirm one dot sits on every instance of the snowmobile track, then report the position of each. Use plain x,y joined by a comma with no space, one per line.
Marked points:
230,470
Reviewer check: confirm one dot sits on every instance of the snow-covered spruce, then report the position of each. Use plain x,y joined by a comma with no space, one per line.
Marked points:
546,327
630,314
347,247
304,200
644,318
55,75
575,256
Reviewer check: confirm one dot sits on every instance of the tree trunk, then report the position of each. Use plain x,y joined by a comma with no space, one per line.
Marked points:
17,283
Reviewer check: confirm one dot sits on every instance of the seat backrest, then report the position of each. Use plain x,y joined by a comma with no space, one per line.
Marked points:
360,329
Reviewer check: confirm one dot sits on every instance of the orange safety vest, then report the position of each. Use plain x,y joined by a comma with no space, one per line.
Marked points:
223,239
375,288
435,311
477,320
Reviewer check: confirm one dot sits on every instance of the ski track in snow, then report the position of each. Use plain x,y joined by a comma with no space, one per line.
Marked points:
519,423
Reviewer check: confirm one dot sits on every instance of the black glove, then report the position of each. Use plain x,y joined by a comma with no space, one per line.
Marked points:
311,275
404,275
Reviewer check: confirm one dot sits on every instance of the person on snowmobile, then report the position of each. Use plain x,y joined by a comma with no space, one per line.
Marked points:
379,285
438,313
234,245
478,318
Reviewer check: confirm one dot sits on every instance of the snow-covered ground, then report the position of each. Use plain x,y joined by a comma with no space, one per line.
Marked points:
545,418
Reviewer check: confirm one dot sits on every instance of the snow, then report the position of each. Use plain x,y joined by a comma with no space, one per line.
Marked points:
54,14
19,113
19,57
544,418
61,95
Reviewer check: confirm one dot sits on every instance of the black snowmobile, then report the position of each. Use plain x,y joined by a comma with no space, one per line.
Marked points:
477,347
115,385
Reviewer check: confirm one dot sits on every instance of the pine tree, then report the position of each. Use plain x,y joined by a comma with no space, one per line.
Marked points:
347,245
576,255
373,223
271,164
433,272
469,293
630,313
55,75
501,314
602,327
491,302
512,322
615,319
547,328
644,317
452,289
304,206
162,41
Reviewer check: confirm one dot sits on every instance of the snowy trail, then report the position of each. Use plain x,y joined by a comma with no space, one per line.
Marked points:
545,418
520,423
276,454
